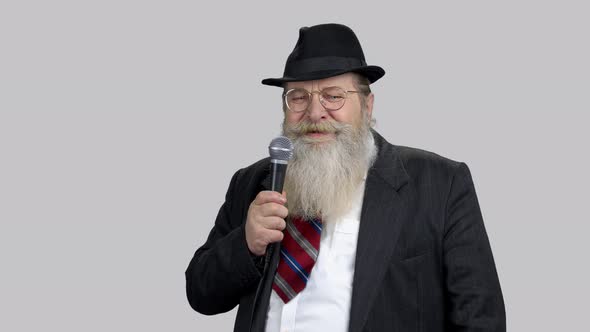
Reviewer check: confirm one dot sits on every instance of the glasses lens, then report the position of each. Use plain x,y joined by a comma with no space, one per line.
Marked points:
297,100
333,98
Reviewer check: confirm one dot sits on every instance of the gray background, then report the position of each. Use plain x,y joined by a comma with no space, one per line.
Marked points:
121,123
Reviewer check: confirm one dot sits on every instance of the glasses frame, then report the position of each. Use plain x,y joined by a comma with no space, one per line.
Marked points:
319,92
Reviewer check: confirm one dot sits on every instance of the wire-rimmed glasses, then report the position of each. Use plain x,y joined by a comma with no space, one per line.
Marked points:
332,98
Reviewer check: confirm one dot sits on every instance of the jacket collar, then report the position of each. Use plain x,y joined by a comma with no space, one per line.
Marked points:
388,165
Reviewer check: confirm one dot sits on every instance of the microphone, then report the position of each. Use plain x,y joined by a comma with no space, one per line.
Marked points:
280,150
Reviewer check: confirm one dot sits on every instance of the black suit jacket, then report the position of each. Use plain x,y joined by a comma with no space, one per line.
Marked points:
423,260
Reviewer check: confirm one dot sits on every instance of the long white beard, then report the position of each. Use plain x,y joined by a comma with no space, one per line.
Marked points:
323,178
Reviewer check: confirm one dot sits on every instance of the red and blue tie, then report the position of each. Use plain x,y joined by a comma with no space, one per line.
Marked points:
299,251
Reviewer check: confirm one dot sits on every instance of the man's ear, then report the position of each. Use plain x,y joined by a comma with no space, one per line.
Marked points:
369,100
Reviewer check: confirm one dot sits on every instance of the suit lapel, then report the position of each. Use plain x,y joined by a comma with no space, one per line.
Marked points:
379,229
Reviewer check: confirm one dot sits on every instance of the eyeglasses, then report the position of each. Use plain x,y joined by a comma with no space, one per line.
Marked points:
332,98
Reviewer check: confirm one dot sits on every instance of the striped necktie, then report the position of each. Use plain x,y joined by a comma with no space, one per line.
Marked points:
299,251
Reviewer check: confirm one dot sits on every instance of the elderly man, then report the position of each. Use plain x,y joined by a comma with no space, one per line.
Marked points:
367,236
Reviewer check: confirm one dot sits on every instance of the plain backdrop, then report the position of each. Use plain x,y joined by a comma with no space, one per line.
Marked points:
122,122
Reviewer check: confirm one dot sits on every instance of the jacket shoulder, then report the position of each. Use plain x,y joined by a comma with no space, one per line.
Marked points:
412,159
425,166
415,157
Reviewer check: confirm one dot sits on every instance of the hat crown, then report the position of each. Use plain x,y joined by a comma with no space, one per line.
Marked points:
326,40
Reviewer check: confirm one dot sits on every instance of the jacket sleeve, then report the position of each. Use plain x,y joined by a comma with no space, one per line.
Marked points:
222,270
474,298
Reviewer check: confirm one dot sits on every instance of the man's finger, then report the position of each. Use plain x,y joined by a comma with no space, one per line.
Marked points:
268,196
273,210
274,236
273,223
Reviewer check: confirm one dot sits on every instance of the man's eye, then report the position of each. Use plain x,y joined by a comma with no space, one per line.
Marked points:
333,97
298,99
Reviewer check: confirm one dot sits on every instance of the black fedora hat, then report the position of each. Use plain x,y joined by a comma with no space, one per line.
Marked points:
323,51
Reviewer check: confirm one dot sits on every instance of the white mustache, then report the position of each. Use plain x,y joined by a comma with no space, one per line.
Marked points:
324,127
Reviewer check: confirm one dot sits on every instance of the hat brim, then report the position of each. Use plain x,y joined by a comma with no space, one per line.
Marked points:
372,73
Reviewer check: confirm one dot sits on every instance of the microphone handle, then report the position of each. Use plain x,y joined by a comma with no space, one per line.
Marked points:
278,170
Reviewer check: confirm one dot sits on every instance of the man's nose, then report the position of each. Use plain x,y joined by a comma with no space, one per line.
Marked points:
316,111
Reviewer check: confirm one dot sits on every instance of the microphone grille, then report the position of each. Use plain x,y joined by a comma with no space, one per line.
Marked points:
281,148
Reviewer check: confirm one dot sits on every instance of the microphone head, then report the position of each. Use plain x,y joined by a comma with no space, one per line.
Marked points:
280,149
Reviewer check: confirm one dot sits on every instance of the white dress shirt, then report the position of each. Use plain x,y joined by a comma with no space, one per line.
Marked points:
324,303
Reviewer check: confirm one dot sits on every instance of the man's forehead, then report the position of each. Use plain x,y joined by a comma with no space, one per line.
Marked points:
344,80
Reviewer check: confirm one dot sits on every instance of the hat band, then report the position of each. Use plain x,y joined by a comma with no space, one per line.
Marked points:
305,66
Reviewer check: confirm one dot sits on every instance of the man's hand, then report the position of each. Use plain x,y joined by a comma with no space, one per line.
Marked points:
266,220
